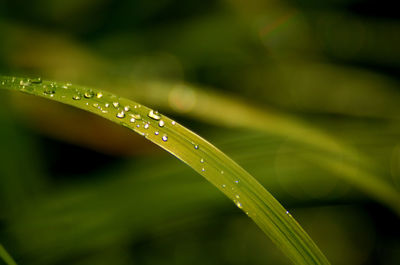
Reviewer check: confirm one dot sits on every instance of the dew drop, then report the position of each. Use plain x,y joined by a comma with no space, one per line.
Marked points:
127,108
36,80
173,122
136,116
239,205
88,94
116,105
107,105
99,95
165,138
203,169
49,90
161,123
202,160
237,196
223,186
237,181
132,120
24,83
154,115
95,105
156,133
146,126
196,146
76,97
121,114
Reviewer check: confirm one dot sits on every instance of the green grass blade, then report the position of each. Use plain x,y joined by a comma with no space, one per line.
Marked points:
203,157
216,108
6,257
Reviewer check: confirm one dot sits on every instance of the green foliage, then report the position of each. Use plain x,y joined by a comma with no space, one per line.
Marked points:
203,157
6,257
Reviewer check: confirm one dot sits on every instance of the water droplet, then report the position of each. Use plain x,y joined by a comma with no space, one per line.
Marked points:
107,105
121,114
146,126
76,97
222,172
202,160
196,146
136,116
138,125
99,95
165,138
237,181
223,186
24,83
88,94
237,196
154,115
49,90
36,80
95,105
127,108
161,123
132,120
203,169
156,132
239,205
116,105
173,122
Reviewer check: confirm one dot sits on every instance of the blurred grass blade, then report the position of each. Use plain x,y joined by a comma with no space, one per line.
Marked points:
216,108
6,257
211,163
364,180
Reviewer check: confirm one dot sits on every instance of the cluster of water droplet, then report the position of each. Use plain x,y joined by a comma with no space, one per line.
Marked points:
121,112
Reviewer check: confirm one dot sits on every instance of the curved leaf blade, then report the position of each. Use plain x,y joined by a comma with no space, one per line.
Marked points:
203,157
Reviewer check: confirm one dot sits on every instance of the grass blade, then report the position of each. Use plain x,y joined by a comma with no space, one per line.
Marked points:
6,257
203,157
216,108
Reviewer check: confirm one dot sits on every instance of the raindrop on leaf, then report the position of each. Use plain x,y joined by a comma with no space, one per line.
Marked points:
88,94
121,115
154,115
36,80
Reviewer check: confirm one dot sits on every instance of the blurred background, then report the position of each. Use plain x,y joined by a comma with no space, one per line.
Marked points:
322,77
